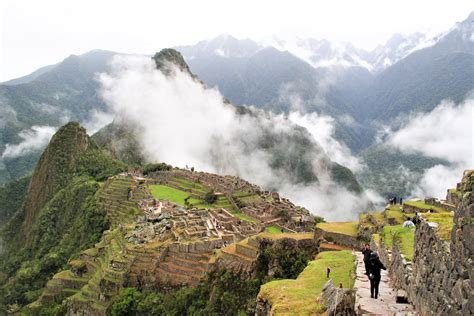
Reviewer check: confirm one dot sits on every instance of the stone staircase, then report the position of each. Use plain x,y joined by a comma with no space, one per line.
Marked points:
385,304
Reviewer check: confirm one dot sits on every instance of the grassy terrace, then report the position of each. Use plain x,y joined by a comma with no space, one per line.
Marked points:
197,188
396,213
445,222
164,192
273,230
301,296
406,237
246,197
244,217
346,228
378,216
423,205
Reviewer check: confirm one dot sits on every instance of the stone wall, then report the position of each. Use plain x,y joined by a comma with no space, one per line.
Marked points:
439,279
401,271
385,254
338,301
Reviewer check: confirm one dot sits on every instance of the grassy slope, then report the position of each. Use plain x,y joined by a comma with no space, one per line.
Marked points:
346,228
423,205
302,294
406,237
396,213
445,222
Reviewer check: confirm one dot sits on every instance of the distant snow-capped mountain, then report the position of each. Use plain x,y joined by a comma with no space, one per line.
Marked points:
323,53
223,46
319,53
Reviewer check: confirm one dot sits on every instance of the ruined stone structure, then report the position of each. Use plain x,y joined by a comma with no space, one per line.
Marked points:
439,279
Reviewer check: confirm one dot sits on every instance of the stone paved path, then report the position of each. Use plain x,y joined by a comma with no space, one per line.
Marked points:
385,304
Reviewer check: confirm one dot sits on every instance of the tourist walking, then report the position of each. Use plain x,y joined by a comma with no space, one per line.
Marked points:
366,251
375,265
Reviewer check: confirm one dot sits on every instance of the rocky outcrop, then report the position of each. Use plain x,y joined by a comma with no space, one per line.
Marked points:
338,301
169,58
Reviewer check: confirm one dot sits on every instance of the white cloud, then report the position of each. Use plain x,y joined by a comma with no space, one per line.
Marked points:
322,129
97,120
33,139
182,123
445,133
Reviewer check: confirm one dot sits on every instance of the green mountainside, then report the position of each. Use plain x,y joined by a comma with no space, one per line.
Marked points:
161,240
59,217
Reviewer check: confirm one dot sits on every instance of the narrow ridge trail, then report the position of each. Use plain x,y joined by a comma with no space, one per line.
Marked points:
385,304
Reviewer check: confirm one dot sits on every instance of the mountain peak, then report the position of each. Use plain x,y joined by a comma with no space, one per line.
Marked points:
167,57
55,167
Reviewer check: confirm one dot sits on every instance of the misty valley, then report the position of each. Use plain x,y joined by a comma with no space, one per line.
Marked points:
242,177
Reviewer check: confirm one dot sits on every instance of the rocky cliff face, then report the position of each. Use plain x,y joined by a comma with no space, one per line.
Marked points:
55,168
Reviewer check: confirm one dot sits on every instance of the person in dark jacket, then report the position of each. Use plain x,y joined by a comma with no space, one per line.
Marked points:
375,265
366,251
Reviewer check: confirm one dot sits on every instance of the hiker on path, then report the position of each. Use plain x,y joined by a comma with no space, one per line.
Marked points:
366,251
375,265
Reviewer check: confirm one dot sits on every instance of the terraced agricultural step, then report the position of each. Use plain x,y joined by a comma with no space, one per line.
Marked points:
246,250
195,256
190,264
89,293
176,278
173,268
230,251
253,242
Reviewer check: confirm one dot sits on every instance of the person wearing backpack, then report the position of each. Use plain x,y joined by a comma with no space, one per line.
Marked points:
366,251
375,266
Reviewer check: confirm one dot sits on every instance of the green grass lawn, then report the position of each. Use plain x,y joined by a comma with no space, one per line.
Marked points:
164,192
445,222
346,228
423,205
406,237
301,296
273,230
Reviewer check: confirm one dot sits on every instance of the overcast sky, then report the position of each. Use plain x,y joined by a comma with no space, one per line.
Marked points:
40,32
